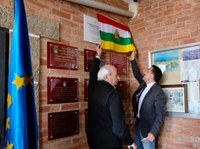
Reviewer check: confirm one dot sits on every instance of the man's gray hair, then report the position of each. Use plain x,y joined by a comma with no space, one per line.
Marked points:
104,71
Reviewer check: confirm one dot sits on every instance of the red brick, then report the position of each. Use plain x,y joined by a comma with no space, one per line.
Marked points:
61,14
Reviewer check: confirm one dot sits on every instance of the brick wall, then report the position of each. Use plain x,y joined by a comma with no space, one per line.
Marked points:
163,24
159,24
70,18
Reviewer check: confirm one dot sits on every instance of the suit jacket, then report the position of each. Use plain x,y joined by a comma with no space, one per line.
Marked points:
152,112
106,127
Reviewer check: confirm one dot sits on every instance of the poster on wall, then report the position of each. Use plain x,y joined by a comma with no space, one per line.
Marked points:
168,62
190,70
176,97
91,30
190,74
180,65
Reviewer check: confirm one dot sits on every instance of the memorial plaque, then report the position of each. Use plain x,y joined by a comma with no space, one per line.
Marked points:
62,56
89,56
120,62
86,89
62,90
123,89
63,124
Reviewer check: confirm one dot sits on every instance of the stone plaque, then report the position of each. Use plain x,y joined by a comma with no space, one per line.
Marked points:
62,90
62,56
86,89
63,124
123,89
120,62
89,56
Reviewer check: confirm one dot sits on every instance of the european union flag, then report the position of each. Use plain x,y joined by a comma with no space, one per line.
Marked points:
21,120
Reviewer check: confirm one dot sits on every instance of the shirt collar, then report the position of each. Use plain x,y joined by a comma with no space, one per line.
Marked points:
150,84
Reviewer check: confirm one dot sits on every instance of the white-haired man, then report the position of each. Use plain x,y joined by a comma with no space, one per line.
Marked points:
106,127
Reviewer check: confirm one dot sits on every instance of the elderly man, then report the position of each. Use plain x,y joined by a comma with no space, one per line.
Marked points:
106,122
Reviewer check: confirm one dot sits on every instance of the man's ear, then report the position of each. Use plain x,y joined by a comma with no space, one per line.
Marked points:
152,77
105,78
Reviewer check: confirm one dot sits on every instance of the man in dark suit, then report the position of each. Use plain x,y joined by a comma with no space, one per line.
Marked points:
106,127
149,105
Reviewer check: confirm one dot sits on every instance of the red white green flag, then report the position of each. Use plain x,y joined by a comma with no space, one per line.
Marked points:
114,36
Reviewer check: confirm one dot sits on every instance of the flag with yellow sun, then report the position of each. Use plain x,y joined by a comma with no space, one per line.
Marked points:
21,121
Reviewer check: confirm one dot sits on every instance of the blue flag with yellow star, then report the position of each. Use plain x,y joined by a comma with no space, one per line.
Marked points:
21,121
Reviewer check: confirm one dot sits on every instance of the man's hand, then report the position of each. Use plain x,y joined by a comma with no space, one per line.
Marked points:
150,137
133,146
133,55
98,50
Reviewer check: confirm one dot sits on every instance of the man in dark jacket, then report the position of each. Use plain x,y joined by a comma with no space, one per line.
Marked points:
106,127
149,105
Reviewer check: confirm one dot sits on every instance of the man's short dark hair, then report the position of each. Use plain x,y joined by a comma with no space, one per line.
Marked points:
157,73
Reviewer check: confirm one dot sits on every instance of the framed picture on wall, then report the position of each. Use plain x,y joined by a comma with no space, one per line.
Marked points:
180,66
176,98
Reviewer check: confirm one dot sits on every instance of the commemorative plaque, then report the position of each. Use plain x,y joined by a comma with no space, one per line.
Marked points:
62,90
86,89
122,88
89,56
62,56
63,124
120,62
